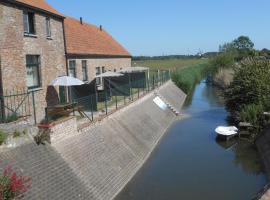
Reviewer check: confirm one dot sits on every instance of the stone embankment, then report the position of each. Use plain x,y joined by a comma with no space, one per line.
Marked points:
97,162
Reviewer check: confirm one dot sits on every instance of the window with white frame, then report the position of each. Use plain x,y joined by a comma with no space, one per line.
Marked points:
98,72
103,70
33,71
84,70
29,23
72,68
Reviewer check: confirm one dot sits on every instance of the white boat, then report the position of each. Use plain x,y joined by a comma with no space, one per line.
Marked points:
226,131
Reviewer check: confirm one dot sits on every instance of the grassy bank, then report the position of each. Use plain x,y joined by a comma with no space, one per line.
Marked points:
186,73
172,64
186,78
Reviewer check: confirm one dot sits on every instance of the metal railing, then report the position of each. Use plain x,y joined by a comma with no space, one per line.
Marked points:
103,103
17,104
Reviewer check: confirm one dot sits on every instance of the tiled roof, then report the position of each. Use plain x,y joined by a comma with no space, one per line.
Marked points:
39,4
86,39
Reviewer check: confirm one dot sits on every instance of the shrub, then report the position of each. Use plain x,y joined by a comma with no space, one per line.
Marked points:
42,137
250,85
253,114
25,131
12,118
16,134
3,137
12,185
223,60
223,78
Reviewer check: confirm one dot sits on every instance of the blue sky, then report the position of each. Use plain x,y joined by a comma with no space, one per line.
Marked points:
154,27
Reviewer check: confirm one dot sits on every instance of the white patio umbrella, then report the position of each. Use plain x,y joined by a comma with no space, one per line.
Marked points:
66,81
133,69
109,74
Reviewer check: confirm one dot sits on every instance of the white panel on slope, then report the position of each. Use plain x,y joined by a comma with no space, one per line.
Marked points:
160,103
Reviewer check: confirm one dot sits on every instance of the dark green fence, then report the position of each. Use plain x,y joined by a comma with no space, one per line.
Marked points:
17,104
113,98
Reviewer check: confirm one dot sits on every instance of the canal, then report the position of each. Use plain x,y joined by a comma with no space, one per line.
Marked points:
190,163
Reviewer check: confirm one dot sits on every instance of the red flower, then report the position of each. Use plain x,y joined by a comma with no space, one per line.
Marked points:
13,184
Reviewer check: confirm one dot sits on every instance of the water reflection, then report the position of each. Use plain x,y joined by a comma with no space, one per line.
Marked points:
247,157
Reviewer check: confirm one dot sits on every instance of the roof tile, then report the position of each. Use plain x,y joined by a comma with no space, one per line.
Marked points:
86,39
40,4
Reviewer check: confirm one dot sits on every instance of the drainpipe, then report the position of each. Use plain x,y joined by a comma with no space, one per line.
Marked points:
67,91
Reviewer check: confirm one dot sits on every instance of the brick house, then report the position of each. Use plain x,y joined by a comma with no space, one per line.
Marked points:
32,48
38,44
91,51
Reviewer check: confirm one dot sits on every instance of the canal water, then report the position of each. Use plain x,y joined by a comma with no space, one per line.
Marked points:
191,164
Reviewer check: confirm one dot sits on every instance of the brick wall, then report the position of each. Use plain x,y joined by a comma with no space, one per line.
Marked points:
108,63
63,128
14,47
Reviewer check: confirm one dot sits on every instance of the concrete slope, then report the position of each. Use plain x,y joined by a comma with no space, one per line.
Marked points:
100,160
173,95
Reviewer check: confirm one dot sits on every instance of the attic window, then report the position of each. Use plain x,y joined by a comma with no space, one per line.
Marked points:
29,23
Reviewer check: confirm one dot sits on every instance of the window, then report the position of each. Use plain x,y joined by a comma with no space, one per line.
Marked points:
72,68
48,27
29,23
33,71
103,70
98,72
84,70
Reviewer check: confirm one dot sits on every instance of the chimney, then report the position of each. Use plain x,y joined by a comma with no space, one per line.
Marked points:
100,28
81,20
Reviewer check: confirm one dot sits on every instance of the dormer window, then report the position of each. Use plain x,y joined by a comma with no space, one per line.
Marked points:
48,27
29,23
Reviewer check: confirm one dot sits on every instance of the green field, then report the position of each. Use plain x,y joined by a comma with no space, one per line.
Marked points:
172,64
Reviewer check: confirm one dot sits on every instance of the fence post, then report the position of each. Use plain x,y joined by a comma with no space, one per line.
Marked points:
34,106
158,78
131,94
106,107
148,86
73,108
2,107
154,82
91,101
46,115
116,102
